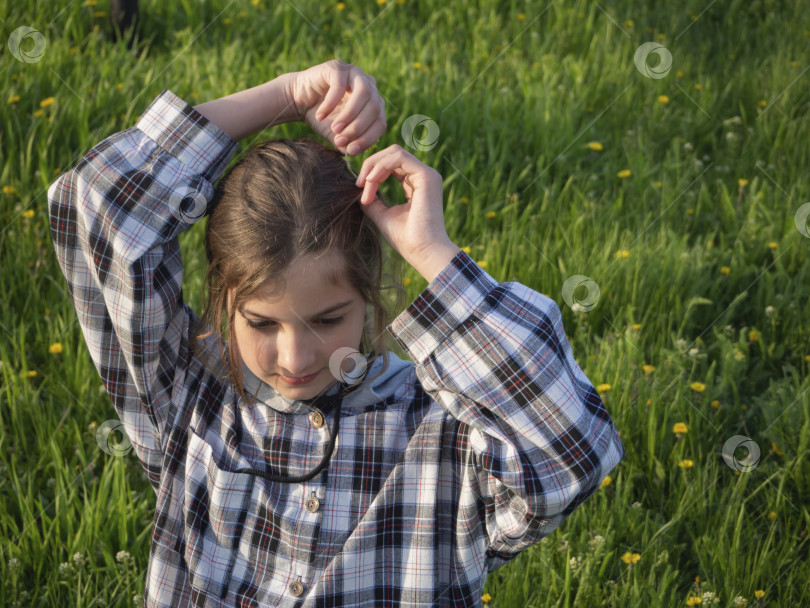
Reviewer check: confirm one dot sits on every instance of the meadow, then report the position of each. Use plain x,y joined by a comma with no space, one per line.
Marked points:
655,192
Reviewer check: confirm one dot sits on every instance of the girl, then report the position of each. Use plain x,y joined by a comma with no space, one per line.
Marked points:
301,463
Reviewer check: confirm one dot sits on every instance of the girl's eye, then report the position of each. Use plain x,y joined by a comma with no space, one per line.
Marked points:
264,324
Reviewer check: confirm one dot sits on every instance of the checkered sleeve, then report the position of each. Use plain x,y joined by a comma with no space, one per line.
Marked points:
496,358
114,222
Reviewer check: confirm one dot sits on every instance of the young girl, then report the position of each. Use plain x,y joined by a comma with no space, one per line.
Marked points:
300,463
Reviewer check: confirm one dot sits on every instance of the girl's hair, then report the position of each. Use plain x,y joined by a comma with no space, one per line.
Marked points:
283,200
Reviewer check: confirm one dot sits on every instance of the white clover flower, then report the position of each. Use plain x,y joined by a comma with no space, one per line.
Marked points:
680,343
78,558
740,601
64,568
694,352
739,355
137,599
709,598
636,505
576,563
770,310
563,546
13,563
122,556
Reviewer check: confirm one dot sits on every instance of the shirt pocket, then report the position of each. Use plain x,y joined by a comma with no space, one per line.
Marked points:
215,505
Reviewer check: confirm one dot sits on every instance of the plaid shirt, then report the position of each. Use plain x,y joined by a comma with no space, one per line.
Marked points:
445,467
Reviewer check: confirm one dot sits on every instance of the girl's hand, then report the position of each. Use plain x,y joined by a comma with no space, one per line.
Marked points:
341,103
416,229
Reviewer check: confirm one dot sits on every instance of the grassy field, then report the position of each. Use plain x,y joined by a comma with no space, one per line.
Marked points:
677,194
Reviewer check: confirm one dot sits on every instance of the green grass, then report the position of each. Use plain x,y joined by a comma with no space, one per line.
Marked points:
516,100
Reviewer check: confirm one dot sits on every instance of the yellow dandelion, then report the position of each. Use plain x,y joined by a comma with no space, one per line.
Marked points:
725,270
55,348
406,281
521,17
759,594
693,600
28,214
762,103
629,23
623,174
630,558
14,99
663,99
679,427
119,86
467,250
636,326
690,212
658,184
715,404
679,74
773,244
772,515
685,464
662,36
709,244
743,182
603,388
622,253
9,190
486,598
38,113
595,146
226,20
752,335
649,402
807,358
464,200
482,263
490,215
340,6
794,64
90,3
605,482
254,2
648,369
381,2
417,65
698,387
100,14
31,373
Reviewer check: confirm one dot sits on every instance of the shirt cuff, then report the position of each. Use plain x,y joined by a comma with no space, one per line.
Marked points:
183,132
449,299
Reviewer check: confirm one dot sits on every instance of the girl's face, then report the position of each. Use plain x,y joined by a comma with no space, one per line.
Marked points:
293,335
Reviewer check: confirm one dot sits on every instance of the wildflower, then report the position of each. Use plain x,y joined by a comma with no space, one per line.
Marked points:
807,358
663,99
64,568
752,336
466,250
13,99
773,245
709,598
624,173
685,464
715,404
381,2
698,86
13,563
679,427
679,74
658,184
92,426
464,200
122,557
743,182
776,449
90,3
744,407
595,146
490,215
482,263
622,253
575,562
769,311
563,546
254,2
9,190
55,348
636,326
759,594
628,557
648,369
78,558
693,600
649,402
772,515
38,113
603,388
417,65
636,505
698,387
486,598
740,602
45,103
629,23
605,482
762,103
739,355
725,270
521,17
31,373
28,214
596,541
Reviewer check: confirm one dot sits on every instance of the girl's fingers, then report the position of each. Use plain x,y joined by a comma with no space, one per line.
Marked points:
378,167
365,129
355,102
338,80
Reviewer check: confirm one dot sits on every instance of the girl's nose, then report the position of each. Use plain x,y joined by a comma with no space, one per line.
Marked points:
296,353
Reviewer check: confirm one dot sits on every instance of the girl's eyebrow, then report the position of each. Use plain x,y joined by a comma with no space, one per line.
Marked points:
319,314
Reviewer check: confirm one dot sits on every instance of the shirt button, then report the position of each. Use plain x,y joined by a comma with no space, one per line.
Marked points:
317,419
312,504
296,589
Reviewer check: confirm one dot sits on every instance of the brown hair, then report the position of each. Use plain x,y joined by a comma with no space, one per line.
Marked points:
283,200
